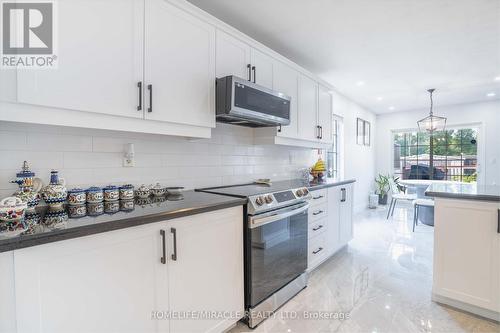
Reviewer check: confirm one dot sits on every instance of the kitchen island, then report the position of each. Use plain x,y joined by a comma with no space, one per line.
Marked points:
466,272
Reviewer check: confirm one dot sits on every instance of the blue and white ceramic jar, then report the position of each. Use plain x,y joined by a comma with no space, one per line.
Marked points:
77,196
94,194
111,193
126,192
55,193
127,205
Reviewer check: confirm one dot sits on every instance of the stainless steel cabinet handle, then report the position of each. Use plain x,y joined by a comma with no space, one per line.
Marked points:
317,132
318,250
343,198
321,132
150,88
174,233
249,67
139,86
318,227
318,197
254,71
318,212
164,249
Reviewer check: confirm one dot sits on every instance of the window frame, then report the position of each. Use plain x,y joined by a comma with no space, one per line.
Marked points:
480,150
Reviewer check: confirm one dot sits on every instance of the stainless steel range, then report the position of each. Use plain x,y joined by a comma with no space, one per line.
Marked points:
275,244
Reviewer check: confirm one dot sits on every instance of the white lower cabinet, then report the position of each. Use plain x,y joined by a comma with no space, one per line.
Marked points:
116,281
330,222
466,270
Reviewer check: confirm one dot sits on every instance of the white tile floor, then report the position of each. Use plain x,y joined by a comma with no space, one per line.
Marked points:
382,281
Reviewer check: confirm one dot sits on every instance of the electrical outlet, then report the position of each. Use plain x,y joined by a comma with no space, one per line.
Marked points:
128,162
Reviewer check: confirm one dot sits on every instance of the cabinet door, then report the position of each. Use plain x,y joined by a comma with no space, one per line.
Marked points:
100,47
8,299
8,85
308,108
207,274
179,66
262,68
285,80
232,56
333,231
467,252
325,114
109,282
346,207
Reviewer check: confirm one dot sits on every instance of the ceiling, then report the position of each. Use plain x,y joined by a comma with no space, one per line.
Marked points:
383,54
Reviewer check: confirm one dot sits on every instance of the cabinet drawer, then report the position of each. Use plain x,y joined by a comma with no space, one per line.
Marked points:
317,251
317,228
317,212
318,196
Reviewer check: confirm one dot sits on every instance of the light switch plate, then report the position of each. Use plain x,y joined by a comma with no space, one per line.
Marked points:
128,162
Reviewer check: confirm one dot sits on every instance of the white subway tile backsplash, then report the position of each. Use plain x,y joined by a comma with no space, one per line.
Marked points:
88,157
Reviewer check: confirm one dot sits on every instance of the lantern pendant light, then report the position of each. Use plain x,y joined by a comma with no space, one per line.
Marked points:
431,123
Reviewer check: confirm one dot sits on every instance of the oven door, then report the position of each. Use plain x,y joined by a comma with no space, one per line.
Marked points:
277,250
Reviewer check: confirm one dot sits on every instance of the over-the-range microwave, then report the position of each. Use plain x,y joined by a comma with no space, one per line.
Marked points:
241,102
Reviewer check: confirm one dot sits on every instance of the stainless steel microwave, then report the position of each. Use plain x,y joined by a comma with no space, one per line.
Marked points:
241,102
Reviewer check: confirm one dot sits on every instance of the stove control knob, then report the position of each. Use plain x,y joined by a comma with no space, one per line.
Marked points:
259,201
269,199
299,192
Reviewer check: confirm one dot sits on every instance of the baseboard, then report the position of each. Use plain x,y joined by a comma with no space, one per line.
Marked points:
489,314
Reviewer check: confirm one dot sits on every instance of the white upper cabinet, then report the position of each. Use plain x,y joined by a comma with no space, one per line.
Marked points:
308,108
179,66
99,60
8,84
285,81
325,114
262,68
232,56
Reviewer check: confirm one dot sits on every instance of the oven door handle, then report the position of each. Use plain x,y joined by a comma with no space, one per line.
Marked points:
276,216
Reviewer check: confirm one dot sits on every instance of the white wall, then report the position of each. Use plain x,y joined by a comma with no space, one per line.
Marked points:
87,157
486,114
359,161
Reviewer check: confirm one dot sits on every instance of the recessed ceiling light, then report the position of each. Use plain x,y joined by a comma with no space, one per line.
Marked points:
360,83
392,108
380,98
491,94
497,78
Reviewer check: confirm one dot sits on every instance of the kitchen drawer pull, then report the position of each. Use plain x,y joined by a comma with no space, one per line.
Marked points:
174,233
498,222
279,129
150,88
321,132
318,227
318,212
139,86
164,248
254,71
318,197
317,132
249,72
343,198
318,250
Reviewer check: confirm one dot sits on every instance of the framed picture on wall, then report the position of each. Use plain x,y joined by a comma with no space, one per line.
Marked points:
363,132
360,131
366,140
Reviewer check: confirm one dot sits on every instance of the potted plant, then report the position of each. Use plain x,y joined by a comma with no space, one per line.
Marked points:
383,187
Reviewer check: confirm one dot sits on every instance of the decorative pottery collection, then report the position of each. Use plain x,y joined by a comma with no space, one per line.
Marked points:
19,213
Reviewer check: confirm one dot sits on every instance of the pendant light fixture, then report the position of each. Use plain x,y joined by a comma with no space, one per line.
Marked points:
431,123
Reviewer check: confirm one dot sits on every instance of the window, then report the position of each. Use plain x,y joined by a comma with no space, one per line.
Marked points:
333,154
451,154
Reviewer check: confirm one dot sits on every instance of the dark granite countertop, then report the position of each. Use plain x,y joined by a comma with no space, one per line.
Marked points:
141,211
464,191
